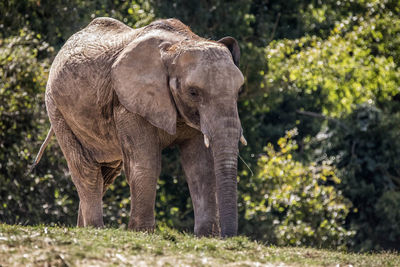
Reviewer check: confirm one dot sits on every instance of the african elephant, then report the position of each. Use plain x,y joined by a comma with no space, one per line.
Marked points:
117,96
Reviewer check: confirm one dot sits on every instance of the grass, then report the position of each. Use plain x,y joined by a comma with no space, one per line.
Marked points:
61,246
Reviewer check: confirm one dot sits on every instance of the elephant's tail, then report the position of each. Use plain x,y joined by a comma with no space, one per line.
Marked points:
41,150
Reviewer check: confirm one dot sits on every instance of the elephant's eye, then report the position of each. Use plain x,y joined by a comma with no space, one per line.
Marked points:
194,93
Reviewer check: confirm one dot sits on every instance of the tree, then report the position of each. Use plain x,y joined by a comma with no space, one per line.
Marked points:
288,202
47,196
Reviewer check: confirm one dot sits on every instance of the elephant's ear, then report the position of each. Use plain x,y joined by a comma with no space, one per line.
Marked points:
140,80
233,46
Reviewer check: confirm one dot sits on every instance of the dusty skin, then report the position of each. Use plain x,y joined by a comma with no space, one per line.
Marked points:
117,96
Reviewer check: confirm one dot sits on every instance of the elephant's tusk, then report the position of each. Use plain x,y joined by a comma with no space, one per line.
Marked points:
243,140
206,141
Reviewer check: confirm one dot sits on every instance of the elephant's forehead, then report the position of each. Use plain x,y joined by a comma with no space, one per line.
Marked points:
217,75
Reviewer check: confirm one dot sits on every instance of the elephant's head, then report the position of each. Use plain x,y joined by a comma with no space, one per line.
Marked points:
199,80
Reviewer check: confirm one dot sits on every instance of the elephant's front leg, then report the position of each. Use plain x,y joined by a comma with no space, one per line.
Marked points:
198,166
142,163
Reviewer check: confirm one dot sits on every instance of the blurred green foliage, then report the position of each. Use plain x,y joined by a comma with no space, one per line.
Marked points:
350,80
28,198
57,20
366,155
327,68
291,203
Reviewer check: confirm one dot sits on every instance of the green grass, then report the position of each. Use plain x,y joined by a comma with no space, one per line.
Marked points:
61,246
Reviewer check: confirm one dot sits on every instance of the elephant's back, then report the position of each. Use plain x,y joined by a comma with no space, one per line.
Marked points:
99,42
87,56
103,36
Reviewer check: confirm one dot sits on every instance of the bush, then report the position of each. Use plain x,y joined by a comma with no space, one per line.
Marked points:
388,214
290,203
366,154
46,197
349,81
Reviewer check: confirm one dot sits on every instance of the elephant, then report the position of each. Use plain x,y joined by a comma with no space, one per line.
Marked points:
117,96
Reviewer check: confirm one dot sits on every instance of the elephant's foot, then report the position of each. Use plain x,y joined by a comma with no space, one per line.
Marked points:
90,213
208,228
95,224
92,223
141,227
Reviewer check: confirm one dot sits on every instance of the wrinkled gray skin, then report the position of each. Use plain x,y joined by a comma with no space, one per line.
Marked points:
117,96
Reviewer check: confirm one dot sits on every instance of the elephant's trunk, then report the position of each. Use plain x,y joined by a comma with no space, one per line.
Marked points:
222,133
225,152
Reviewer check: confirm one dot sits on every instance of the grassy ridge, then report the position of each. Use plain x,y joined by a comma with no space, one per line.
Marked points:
58,246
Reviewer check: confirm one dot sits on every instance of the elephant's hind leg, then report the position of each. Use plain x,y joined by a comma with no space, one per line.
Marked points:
85,173
109,174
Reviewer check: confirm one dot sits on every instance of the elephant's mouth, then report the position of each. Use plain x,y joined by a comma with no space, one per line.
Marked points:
190,116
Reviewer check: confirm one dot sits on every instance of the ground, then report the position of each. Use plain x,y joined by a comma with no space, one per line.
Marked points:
62,246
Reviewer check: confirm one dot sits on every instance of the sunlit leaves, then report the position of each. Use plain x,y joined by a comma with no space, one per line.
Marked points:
343,67
295,203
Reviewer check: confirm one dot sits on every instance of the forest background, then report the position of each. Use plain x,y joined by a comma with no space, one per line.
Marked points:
320,109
